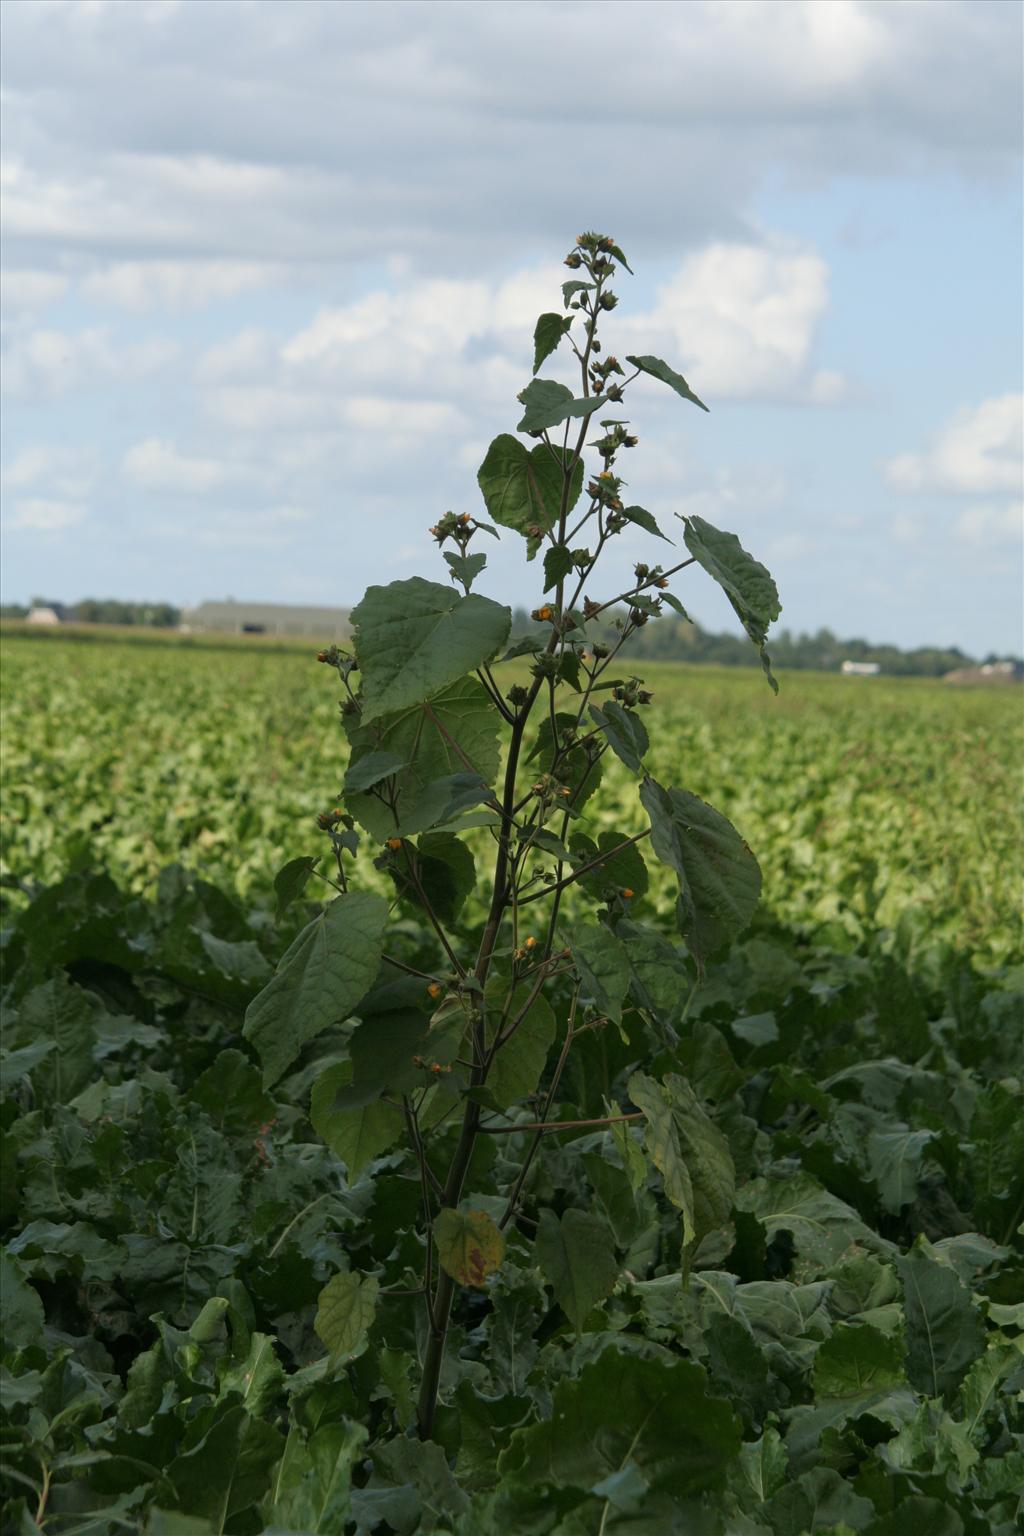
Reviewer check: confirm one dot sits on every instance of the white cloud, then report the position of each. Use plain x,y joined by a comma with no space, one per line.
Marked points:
66,473
987,525
24,291
146,285
979,452
427,358
48,362
338,133
42,515
156,465
744,320
242,356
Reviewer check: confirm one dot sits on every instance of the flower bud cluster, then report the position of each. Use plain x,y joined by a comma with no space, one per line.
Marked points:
547,787
546,664
592,249
434,1067
460,528
630,694
604,489
650,575
615,438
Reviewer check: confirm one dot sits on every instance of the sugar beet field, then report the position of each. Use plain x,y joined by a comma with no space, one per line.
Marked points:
842,1351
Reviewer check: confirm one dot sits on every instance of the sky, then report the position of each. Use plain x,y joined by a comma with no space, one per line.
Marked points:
271,272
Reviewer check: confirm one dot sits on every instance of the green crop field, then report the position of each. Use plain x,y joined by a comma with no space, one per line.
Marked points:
873,805
843,1349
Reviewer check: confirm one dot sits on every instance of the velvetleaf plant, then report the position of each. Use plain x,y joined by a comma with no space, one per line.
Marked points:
460,1037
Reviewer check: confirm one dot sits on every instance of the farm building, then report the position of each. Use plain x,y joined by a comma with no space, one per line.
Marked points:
860,668
233,618
50,613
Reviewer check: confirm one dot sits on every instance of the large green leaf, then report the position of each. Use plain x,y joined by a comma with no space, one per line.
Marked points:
224,1466
625,732
312,1482
368,771
62,1013
356,1135
660,981
518,1065
655,1413
661,1138
383,1048
446,871
415,637
523,490
744,580
548,332
995,1158
643,519
603,967
453,733
557,565
822,1226
855,1361
659,370
547,404
576,1254
689,1150
621,869
346,1309
894,1159
945,1333
319,981
979,1391
738,1367
21,1310
291,880
719,878
820,1500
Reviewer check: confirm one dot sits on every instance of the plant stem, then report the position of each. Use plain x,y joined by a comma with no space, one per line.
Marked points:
442,1304
555,1125
584,868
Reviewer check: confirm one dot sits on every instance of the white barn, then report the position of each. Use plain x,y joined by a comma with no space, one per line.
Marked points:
860,668
233,618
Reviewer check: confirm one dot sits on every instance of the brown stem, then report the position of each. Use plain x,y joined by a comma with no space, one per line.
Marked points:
555,1125
501,894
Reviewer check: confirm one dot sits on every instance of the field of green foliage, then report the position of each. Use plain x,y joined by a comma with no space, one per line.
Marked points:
873,805
846,1353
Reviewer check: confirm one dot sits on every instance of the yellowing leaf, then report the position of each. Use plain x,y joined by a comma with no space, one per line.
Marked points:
469,1245
344,1313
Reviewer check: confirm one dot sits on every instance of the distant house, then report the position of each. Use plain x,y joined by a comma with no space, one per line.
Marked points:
233,618
49,613
860,668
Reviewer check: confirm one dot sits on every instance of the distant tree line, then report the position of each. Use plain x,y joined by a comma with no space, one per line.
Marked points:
102,610
668,638
674,639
